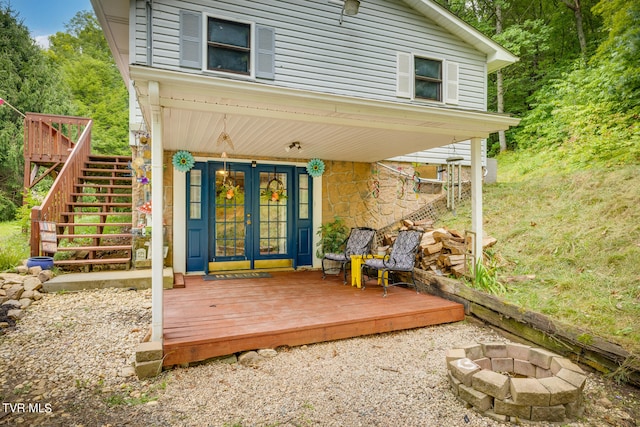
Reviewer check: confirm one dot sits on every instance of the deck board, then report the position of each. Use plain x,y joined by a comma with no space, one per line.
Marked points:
215,318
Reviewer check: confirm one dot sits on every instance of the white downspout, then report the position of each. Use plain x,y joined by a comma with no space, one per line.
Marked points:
157,207
476,196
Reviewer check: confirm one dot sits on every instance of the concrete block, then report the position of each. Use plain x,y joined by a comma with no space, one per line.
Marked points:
518,351
558,363
463,370
491,383
455,354
148,351
502,364
484,363
561,391
575,409
548,413
477,399
509,407
498,417
529,391
524,367
472,351
148,369
494,349
543,373
455,384
541,358
574,378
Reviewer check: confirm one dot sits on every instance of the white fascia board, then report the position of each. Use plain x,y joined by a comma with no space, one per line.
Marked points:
497,56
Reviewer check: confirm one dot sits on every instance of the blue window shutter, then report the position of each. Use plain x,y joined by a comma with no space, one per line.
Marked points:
190,39
265,55
404,75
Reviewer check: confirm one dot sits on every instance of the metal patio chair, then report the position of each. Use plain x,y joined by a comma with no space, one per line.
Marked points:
359,242
401,259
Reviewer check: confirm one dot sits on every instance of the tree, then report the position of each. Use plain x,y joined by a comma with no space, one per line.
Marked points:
97,88
30,83
575,6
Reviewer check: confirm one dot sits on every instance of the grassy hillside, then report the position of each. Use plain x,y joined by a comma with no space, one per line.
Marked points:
577,231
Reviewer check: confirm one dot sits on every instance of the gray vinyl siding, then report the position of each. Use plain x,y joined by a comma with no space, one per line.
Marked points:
439,155
314,52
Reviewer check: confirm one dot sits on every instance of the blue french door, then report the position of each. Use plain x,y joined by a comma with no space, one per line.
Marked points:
248,216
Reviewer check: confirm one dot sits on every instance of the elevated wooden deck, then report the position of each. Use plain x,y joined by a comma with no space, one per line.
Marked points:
215,318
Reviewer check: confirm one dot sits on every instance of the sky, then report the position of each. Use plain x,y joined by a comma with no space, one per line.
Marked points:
46,17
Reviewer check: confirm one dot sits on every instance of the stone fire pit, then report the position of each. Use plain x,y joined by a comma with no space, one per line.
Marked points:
513,382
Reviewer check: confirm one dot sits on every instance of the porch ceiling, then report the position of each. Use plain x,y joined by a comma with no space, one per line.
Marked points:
262,120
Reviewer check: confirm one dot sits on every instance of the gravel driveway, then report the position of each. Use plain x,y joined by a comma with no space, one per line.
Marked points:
68,363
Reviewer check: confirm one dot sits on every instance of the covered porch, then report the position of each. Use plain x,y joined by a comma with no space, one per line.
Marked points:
207,318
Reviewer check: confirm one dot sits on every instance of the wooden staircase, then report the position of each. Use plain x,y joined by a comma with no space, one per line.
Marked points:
95,228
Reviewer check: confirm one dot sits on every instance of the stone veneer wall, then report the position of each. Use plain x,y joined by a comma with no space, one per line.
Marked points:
348,193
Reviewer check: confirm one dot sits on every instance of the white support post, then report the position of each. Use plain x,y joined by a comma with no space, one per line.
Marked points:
476,196
157,208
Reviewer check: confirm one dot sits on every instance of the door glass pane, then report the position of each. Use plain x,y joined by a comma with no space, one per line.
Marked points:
230,222
303,196
195,194
273,213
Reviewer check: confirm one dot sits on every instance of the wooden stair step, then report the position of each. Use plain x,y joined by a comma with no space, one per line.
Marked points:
95,213
125,195
94,224
94,248
100,204
105,171
95,236
108,163
92,261
111,186
105,178
105,157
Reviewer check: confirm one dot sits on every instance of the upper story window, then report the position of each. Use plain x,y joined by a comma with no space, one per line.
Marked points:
428,79
228,46
244,49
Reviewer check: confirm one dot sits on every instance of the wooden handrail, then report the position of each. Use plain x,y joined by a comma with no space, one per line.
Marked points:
60,193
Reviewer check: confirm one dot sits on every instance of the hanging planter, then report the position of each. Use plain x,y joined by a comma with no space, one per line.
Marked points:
183,161
315,167
274,192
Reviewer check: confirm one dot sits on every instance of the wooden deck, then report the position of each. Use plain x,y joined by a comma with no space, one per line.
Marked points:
215,318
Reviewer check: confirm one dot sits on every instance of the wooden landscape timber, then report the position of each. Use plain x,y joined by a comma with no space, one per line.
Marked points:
523,325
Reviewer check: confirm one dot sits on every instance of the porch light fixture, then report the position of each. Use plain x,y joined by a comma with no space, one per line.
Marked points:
293,146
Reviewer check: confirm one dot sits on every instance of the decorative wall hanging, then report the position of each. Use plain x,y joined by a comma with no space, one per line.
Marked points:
275,191
230,190
315,167
183,161
224,138
375,183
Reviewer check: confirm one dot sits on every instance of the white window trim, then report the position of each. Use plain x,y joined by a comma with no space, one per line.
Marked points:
411,77
443,82
252,55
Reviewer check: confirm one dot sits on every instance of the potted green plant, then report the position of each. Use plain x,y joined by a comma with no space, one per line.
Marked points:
333,236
